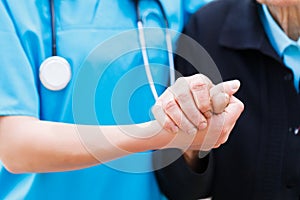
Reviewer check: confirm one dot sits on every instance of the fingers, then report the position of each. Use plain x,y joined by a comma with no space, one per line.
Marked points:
192,100
228,87
185,100
163,119
175,113
160,115
168,113
167,110
224,137
231,115
220,126
179,104
200,86
214,132
234,109
221,93
219,102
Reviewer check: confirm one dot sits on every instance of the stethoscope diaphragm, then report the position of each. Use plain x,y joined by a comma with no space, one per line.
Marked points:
54,78
55,73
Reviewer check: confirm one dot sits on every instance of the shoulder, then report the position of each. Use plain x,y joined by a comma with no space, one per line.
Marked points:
22,14
210,17
216,8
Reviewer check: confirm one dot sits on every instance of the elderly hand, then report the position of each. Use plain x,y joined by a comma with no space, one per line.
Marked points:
193,105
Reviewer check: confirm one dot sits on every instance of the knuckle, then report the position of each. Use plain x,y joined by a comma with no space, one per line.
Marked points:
168,125
181,80
198,86
198,76
242,106
171,105
208,114
202,78
204,107
183,97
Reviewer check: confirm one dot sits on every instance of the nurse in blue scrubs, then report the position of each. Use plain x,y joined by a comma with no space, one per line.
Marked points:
97,80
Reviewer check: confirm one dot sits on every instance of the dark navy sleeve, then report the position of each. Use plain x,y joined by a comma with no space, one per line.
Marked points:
178,181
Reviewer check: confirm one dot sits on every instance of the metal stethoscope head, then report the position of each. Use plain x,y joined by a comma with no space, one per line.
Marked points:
55,71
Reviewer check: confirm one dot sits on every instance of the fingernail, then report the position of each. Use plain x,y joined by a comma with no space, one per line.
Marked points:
193,131
235,84
202,125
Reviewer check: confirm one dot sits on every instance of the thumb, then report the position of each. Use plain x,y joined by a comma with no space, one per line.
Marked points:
221,93
228,87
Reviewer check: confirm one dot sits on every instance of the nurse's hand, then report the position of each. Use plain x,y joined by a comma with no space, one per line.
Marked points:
195,106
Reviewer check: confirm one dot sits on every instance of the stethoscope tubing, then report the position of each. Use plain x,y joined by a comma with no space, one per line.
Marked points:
53,28
142,42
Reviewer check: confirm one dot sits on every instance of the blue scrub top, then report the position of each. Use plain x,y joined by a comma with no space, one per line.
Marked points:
108,85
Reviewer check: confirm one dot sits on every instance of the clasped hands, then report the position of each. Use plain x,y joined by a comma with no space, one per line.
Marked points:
200,114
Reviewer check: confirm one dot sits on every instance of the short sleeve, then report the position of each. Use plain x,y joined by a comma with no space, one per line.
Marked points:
18,91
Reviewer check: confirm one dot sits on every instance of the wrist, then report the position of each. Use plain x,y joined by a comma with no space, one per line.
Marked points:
143,137
196,163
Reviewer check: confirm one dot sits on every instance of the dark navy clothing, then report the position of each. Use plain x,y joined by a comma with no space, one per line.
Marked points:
261,159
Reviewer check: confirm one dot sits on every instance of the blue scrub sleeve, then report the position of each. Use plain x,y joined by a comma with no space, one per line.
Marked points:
18,91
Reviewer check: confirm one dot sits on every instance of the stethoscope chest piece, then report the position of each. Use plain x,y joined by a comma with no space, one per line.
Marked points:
55,73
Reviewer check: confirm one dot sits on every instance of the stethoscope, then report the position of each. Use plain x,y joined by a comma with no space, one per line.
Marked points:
55,71
142,42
